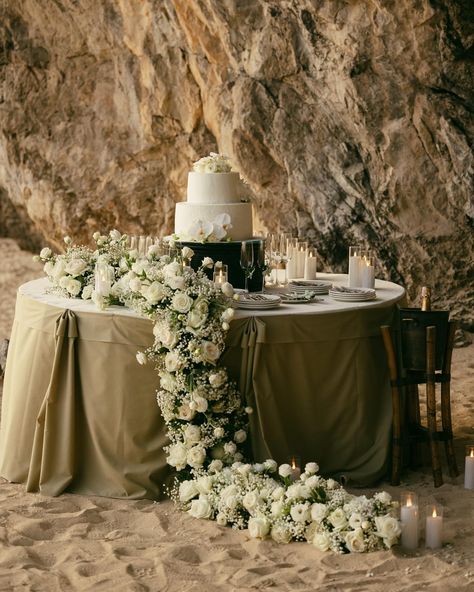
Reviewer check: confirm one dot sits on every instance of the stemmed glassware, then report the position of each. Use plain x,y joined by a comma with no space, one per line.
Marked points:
247,261
262,261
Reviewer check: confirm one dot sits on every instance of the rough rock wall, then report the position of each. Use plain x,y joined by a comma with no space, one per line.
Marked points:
351,120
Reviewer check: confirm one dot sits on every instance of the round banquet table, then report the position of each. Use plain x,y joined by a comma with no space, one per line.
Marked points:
79,414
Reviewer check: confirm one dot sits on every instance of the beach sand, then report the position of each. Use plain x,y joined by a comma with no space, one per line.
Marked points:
100,544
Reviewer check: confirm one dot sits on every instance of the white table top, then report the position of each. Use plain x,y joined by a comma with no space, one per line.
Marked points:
388,294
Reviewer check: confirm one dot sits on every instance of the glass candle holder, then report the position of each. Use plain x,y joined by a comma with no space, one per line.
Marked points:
367,270
220,274
295,463
469,467
409,520
434,527
355,263
301,257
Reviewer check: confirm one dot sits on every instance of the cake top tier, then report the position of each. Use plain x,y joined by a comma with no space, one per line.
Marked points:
212,181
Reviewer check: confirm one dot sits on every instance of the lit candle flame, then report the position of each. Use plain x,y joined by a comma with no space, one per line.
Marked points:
471,453
293,463
409,502
434,514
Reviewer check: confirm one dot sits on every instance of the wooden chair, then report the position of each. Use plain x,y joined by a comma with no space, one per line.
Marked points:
420,354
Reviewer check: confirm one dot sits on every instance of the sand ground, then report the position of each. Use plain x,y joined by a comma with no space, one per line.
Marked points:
100,544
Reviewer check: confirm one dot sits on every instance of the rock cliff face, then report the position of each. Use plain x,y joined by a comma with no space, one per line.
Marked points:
350,120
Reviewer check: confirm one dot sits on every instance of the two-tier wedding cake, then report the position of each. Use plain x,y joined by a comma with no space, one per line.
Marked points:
215,219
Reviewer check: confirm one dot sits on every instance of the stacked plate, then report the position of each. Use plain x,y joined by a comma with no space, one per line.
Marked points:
259,301
352,294
319,287
299,297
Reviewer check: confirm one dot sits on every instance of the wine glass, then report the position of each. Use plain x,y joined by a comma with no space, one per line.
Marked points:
246,261
262,261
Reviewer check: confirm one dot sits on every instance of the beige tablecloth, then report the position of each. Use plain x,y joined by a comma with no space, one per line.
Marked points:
80,415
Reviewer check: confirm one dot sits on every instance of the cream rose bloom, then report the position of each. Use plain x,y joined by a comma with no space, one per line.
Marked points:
281,533
187,490
181,302
300,512
322,541
200,508
58,270
199,404
258,527
176,282
209,351
318,512
228,314
192,434
277,508
87,292
227,289
167,381
165,334
196,456
177,455
73,287
173,362
388,528
338,519
355,520
76,267
185,412
135,285
207,262
204,484
240,436
251,500
45,253
311,468
355,541
284,470
217,379
154,293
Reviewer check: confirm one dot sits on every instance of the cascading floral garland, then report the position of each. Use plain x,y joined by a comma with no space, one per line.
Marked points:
205,416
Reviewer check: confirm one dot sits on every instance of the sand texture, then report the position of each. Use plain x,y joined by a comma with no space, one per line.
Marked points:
89,543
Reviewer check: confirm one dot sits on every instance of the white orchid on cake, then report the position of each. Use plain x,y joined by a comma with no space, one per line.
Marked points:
203,231
214,163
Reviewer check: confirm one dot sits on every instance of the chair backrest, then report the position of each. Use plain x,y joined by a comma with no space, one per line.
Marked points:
412,326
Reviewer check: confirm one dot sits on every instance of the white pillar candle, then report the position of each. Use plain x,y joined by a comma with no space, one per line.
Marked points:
409,520
301,259
434,528
310,267
354,271
469,467
291,266
295,468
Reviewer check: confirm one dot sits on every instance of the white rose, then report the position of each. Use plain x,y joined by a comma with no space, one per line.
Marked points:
217,379
312,481
115,235
227,289
154,293
355,520
76,267
297,491
187,490
251,500
165,334
167,381
338,519
138,267
181,302
58,270
221,520
48,268
199,404
276,508
311,468
177,454
230,448
383,496
173,361
67,240
96,235
200,508
318,512
300,512
331,484
207,262
228,314
141,358
192,434
45,253
240,436
209,351
244,469
284,470
248,410
204,484
176,282
231,502
281,533
196,318
64,281
258,527
185,412
355,541
73,287
278,493
187,253
216,466
270,465
387,527
219,432
196,456
322,541
87,292
135,285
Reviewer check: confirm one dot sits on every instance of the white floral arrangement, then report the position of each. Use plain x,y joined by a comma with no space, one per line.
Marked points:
214,163
203,231
205,415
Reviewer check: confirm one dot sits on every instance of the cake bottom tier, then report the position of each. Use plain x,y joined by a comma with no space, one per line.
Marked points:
229,254
187,214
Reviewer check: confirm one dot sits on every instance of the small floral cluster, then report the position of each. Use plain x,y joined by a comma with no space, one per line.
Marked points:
214,163
263,498
206,418
202,231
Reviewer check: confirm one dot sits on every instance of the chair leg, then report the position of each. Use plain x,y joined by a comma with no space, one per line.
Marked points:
431,404
413,424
